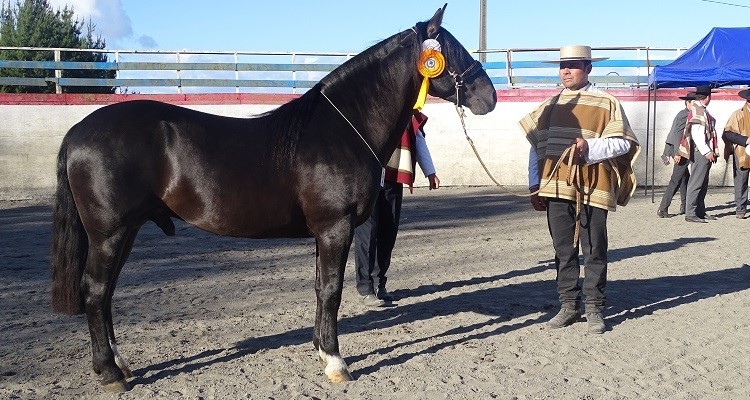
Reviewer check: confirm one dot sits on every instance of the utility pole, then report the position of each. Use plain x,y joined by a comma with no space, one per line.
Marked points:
482,30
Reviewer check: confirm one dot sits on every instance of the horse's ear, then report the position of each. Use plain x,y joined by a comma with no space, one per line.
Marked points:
433,25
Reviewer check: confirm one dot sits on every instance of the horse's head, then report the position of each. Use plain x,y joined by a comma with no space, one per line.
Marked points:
462,71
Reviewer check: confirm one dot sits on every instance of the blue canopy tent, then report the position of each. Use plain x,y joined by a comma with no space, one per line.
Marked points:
721,58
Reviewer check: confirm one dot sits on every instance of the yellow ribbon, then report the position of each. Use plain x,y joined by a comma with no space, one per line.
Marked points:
422,97
431,64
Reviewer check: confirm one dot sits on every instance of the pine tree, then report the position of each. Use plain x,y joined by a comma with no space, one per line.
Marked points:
34,23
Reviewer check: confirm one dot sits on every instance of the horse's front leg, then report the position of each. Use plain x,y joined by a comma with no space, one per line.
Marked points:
332,249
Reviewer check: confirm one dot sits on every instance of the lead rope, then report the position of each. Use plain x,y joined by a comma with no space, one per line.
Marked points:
575,179
573,169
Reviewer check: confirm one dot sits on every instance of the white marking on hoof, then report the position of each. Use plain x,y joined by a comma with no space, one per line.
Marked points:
336,369
120,361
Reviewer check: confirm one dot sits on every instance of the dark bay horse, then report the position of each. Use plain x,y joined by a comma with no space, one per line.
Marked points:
312,167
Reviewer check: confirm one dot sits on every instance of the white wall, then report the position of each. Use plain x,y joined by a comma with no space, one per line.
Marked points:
504,149
30,136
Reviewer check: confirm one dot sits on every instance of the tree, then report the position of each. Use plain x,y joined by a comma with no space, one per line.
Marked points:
34,23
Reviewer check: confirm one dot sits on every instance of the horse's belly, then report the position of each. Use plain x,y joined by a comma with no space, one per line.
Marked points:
258,229
245,219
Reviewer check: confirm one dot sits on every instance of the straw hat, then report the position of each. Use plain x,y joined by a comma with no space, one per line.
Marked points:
576,52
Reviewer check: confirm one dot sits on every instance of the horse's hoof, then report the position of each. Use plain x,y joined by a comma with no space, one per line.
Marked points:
116,387
126,372
340,377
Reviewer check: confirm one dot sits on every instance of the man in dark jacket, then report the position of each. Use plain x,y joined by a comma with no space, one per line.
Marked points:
680,173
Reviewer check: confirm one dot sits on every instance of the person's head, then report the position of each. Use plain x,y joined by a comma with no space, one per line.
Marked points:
745,94
703,98
575,66
688,98
703,94
574,74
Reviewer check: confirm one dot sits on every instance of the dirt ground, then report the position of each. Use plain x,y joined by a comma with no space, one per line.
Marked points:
204,317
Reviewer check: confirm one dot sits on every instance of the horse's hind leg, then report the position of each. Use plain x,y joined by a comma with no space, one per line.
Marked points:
105,258
332,248
119,360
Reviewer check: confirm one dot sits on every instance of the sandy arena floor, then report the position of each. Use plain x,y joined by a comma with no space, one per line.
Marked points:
204,317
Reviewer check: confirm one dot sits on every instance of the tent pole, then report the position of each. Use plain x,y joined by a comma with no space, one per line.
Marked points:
653,152
648,130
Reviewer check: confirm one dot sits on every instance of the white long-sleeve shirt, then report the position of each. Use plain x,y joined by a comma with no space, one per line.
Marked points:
600,149
698,134
424,159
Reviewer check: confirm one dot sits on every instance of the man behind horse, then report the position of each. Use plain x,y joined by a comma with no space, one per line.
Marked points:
375,239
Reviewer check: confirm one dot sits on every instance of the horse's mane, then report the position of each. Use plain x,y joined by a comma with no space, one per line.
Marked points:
289,121
347,81
369,60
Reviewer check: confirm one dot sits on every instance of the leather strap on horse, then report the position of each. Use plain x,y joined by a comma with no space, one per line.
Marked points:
574,177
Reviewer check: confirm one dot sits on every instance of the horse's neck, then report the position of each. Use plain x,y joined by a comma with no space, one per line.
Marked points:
377,96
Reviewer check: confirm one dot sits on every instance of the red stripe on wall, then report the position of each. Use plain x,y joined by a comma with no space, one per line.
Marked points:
504,95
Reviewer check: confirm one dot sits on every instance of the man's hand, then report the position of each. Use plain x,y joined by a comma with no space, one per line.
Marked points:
582,148
711,157
677,159
538,202
434,181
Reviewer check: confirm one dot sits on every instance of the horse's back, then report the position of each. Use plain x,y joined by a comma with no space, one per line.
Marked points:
146,157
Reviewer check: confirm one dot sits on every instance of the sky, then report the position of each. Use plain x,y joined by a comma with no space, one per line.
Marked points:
352,26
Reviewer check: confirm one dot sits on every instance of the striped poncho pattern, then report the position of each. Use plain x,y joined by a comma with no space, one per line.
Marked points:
401,165
555,124
739,122
697,115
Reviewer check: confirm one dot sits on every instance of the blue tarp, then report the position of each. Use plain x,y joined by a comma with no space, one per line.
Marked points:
722,58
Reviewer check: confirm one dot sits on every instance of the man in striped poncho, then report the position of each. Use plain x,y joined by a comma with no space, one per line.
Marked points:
736,137
580,168
700,145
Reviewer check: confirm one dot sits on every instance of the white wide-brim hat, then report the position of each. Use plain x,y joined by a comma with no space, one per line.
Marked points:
576,52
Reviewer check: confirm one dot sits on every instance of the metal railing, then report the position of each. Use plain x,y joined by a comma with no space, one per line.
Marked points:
138,71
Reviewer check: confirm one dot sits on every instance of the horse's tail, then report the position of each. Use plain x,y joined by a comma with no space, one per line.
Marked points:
69,244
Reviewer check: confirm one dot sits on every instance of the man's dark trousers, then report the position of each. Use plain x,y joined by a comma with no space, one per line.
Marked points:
593,243
697,187
740,187
678,181
375,238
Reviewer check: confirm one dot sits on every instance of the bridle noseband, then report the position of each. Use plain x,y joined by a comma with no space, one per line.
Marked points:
472,70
